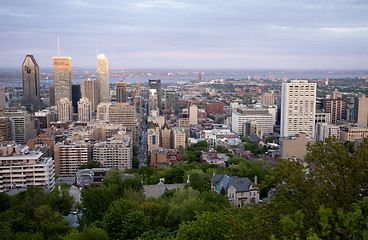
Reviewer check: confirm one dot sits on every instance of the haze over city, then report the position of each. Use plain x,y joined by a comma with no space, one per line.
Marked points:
188,34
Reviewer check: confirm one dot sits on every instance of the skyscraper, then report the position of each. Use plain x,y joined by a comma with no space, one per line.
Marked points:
89,90
76,95
124,114
52,94
103,78
171,100
361,111
193,114
156,84
121,95
64,110
31,83
298,108
62,78
84,110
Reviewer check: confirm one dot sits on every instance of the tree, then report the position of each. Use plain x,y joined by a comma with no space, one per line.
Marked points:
135,162
88,233
221,149
91,164
220,120
135,150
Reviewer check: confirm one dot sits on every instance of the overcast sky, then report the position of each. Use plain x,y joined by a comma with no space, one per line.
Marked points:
243,34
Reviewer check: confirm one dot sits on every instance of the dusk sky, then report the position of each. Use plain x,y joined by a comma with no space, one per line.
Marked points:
242,34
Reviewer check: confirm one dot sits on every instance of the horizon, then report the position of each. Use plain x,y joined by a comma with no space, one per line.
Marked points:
187,34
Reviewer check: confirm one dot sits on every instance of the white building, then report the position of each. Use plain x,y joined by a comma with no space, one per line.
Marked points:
298,108
103,111
114,154
327,130
84,110
262,117
26,168
193,114
103,78
64,110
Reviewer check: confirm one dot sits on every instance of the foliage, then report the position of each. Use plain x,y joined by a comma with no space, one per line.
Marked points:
91,164
221,149
135,162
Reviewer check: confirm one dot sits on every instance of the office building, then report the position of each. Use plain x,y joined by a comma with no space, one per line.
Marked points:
156,84
327,130
103,111
124,113
23,167
152,101
84,110
52,94
31,83
298,108
361,111
69,156
171,100
121,93
351,134
262,117
193,114
6,129
251,127
64,110
184,122
45,117
76,95
337,109
62,78
89,90
22,125
103,78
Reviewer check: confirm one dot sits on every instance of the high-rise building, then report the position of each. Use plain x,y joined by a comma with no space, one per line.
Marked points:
156,84
178,138
103,78
89,90
336,108
76,95
268,98
200,77
298,108
31,83
361,111
153,136
114,154
103,111
6,129
22,125
2,97
64,110
165,137
84,110
45,117
69,157
52,94
171,100
184,123
262,118
124,113
193,114
121,95
152,100
62,78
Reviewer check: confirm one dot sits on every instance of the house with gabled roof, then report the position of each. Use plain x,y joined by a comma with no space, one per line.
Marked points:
240,191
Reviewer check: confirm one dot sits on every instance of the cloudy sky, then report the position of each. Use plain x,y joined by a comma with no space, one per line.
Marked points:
243,34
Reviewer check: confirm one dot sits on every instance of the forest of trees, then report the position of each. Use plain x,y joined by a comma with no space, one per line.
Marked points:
324,198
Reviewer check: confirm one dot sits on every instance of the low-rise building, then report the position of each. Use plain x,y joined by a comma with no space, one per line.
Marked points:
294,147
212,157
239,191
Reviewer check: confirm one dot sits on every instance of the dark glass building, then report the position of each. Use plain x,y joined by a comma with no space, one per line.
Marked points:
76,95
31,83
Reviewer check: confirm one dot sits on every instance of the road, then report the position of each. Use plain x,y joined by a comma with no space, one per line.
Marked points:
142,153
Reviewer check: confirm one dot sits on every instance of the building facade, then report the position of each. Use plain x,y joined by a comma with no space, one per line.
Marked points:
361,111
103,78
22,125
121,93
84,110
262,117
298,108
62,78
31,83
114,154
64,110
156,84
69,157
89,90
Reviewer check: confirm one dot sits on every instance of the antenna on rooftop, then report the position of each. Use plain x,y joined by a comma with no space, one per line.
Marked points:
58,47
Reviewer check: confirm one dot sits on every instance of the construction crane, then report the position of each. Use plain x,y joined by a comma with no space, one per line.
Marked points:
121,70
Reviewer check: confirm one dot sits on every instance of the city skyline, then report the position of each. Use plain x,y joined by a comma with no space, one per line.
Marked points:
189,34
